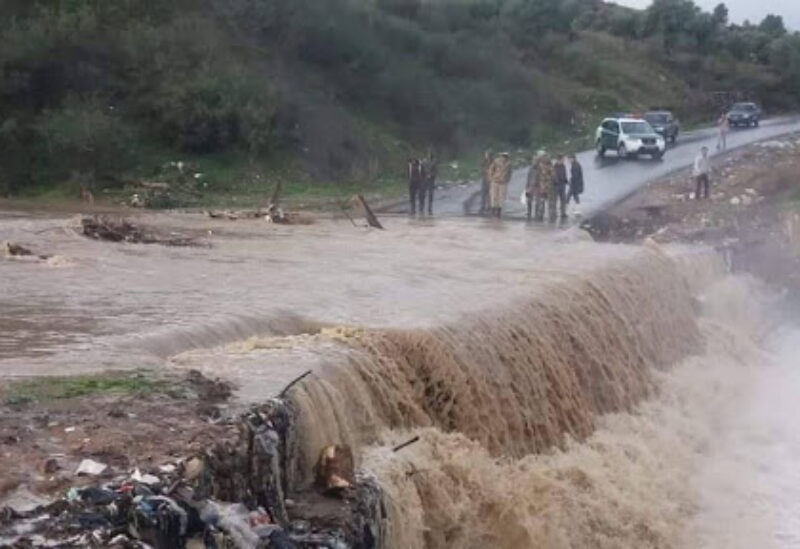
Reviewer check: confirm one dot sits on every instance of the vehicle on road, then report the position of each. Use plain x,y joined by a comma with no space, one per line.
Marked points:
664,123
744,115
629,137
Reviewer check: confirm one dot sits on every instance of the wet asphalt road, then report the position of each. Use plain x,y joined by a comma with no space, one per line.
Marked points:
611,179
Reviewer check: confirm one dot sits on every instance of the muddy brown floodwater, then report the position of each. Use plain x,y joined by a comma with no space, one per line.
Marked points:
566,394
97,305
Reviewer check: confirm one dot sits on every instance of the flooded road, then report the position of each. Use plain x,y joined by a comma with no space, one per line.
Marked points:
98,305
567,394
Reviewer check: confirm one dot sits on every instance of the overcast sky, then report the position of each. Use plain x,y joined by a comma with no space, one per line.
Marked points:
754,10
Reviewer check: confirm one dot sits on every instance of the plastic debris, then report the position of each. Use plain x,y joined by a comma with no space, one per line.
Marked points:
91,467
150,480
23,500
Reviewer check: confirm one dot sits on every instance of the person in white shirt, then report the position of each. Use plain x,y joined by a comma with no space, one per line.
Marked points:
702,173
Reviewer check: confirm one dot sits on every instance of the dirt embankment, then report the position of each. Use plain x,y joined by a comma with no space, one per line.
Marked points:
753,214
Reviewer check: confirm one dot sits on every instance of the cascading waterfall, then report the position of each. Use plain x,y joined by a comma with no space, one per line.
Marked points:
509,402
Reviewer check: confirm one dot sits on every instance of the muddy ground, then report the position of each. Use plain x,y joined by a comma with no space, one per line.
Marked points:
124,420
752,216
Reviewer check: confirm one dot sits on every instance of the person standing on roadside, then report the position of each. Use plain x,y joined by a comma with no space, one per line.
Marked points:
430,171
532,184
499,176
702,174
486,163
724,126
415,181
560,187
545,177
575,180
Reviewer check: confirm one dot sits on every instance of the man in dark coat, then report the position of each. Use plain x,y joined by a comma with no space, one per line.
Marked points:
575,180
430,170
560,186
416,179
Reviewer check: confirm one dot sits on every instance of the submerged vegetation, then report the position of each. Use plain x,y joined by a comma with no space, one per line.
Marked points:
100,92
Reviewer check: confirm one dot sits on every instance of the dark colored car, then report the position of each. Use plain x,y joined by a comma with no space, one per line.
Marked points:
665,124
744,114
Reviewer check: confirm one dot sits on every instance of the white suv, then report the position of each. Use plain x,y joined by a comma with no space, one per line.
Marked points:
629,137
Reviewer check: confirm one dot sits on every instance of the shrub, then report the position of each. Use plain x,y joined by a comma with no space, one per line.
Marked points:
85,138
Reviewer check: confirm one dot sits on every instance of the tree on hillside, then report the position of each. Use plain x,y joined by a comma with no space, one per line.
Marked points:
530,20
773,26
671,18
720,15
784,56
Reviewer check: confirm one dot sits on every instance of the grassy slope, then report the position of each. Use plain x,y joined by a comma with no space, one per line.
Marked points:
366,101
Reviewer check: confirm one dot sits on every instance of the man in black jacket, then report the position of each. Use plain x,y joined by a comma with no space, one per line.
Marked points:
416,180
430,170
575,180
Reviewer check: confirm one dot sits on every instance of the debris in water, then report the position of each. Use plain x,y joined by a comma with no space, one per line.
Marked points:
406,443
294,382
120,230
11,249
372,219
334,470
273,215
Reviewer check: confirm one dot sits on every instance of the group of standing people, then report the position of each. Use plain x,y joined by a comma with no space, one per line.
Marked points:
422,182
550,185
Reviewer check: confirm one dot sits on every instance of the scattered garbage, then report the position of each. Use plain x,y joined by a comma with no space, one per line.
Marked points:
91,467
233,495
22,500
150,480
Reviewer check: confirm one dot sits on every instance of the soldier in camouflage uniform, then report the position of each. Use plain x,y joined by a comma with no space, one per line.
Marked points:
486,163
545,188
532,183
499,176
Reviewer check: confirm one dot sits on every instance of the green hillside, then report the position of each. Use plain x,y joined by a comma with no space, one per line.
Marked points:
331,94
